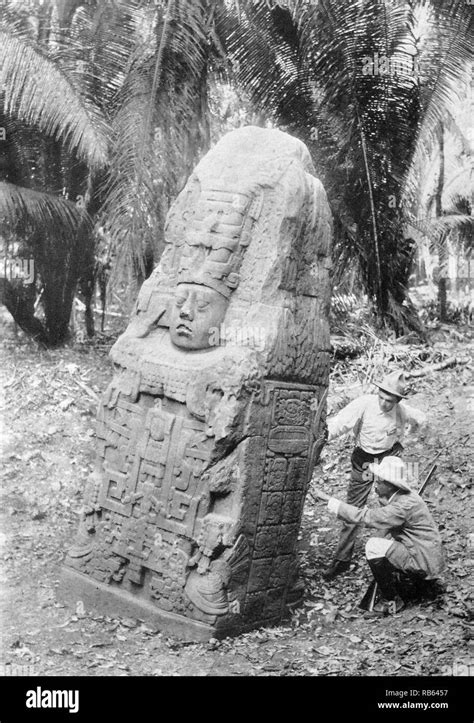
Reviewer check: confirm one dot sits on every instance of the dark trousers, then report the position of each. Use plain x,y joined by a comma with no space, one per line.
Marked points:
357,494
393,582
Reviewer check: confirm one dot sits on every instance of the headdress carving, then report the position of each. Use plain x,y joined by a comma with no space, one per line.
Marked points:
215,245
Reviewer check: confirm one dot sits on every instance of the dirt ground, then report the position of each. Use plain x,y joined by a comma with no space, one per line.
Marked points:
49,410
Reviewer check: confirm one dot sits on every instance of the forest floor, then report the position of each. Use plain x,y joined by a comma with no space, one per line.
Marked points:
49,410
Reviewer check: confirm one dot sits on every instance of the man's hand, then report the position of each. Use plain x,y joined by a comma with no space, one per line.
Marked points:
320,494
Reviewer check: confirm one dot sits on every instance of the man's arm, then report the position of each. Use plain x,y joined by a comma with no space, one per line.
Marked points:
382,518
414,417
346,419
387,517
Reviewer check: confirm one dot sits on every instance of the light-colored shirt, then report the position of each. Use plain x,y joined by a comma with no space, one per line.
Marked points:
375,431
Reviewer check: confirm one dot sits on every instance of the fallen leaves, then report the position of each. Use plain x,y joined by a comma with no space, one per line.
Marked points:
49,456
324,650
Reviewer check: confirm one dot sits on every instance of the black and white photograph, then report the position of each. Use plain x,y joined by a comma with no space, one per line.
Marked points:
237,333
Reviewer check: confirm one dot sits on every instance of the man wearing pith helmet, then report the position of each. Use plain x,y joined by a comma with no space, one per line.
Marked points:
407,559
378,422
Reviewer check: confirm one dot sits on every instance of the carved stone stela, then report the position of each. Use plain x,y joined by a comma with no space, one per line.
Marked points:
211,426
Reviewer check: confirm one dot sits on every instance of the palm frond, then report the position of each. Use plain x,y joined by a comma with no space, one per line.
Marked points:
22,206
104,40
445,59
159,131
437,229
38,93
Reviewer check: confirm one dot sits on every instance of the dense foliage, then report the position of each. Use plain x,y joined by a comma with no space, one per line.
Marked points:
107,105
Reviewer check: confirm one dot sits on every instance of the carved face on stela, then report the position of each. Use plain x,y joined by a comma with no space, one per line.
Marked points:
196,310
209,270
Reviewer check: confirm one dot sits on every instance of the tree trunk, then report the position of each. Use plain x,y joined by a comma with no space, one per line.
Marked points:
87,287
60,268
442,250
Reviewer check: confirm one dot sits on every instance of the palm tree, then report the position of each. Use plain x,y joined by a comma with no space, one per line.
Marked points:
442,213
160,126
123,88
113,97
55,138
307,63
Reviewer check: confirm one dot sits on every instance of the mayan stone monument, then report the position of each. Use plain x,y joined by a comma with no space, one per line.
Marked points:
215,417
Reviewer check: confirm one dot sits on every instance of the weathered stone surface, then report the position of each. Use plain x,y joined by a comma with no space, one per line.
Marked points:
210,428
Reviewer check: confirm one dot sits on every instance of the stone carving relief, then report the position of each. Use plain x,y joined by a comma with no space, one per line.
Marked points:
205,452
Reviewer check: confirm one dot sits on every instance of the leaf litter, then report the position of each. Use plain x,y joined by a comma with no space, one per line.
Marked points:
50,453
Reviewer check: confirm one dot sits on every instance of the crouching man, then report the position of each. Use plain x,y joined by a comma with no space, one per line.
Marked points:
407,558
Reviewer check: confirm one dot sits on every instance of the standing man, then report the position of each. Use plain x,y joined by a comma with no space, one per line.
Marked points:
407,559
378,422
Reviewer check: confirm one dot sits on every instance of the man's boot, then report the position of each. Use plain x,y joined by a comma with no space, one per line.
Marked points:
386,577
